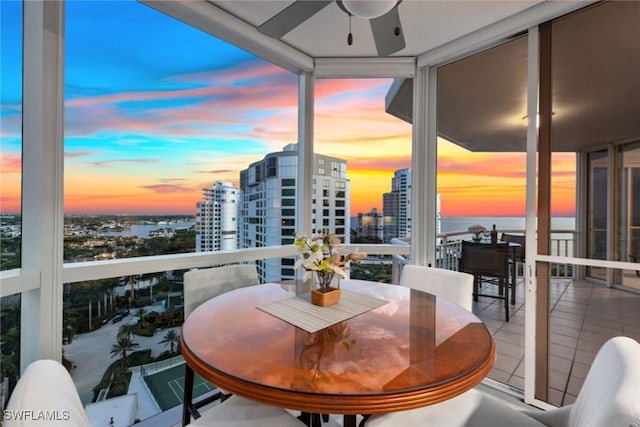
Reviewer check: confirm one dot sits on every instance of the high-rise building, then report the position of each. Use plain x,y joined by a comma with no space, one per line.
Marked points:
216,223
268,209
396,206
370,225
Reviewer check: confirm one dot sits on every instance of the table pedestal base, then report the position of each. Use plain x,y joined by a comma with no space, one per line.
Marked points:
314,420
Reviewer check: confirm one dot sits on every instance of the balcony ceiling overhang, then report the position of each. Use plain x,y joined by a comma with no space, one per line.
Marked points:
595,70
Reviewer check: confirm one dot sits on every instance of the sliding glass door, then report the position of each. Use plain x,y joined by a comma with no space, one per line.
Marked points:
629,213
598,191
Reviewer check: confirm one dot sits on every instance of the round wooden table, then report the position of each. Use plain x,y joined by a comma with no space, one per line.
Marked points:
413,351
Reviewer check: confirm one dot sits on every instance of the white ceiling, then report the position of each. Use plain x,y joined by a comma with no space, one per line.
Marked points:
426,24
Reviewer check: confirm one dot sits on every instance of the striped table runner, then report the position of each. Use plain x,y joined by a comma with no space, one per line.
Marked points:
299,311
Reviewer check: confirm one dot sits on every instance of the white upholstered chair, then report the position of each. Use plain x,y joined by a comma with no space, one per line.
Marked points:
203,284
46,388
610,397
239,412
199,286
452,285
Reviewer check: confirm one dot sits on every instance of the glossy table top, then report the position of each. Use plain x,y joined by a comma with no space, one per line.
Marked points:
413,351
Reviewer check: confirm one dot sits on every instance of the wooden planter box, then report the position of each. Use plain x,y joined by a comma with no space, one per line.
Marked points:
324,299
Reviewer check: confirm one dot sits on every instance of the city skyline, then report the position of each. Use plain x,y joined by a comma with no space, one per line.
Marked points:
155,111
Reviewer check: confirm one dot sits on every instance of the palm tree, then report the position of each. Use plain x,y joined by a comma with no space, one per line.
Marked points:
171,337
121,347
126,330
133,281
13,316
141,313
10,341
69,323
8,366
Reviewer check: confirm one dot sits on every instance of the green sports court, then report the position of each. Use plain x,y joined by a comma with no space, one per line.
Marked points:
167,386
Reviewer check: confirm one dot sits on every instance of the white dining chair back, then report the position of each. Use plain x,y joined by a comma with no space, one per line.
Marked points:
237,411
454,286
610,396
45,387
203,284
199,286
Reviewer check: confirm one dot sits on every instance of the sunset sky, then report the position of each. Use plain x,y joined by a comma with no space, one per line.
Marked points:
155,111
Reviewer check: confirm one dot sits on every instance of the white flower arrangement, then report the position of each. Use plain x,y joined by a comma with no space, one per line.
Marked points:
476,229
324,256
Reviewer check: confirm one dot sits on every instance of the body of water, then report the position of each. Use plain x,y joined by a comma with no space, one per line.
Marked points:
447,224
143,230
450,224
564,241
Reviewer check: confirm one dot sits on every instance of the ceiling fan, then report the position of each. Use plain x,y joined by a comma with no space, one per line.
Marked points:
382,14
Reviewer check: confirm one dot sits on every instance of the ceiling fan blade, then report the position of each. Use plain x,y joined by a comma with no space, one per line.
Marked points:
292,16
383,28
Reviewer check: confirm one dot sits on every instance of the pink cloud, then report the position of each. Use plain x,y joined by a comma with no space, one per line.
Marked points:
222,84
108,163
77,154
268,106
167,188
217,171
11,163
170,180
347,112
242,71
328,87
217,107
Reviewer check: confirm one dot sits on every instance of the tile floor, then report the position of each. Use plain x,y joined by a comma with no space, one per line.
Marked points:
583,316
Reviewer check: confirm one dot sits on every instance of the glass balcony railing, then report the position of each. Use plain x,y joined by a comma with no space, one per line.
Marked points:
449,249
105,300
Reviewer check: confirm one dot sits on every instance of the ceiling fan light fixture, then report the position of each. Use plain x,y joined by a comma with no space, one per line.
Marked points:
369,8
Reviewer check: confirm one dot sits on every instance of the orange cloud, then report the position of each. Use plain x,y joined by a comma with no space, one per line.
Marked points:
494,184
133,199
167,188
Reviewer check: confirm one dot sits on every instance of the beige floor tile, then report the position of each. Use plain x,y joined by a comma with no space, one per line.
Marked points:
506,363
583,316
560,364
562,351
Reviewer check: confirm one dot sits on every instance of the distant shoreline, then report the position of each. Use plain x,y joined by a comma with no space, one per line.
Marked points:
450,224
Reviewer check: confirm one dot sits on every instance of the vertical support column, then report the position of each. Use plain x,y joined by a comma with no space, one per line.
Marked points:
544,215
424,167
304,195
612,209
530,284
579,240
42,187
